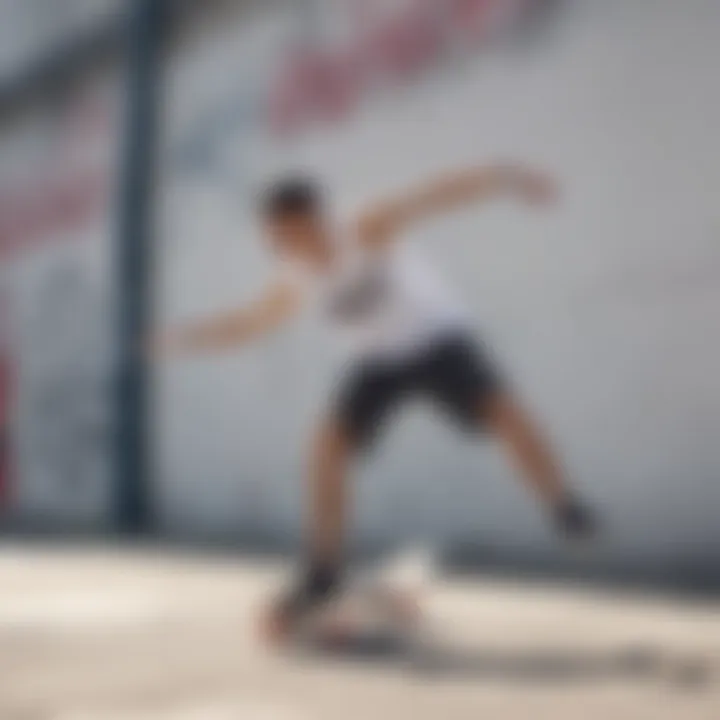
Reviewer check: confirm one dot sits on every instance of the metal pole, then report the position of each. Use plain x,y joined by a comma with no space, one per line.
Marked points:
144,45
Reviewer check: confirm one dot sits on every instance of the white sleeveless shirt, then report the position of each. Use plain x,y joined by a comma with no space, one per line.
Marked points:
384,305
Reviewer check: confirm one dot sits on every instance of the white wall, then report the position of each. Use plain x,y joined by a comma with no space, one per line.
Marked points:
604,312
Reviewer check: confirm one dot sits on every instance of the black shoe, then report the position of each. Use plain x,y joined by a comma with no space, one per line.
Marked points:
318,586
576,522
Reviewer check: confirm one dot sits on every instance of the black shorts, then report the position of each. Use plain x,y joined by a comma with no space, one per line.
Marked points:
454,373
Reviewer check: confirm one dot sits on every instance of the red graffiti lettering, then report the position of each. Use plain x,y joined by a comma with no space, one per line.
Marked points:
44,213
320,84
406,46
314,86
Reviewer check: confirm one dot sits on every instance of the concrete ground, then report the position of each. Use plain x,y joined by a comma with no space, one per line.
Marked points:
98,634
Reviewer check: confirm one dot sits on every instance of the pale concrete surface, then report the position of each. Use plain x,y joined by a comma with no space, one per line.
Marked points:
94,634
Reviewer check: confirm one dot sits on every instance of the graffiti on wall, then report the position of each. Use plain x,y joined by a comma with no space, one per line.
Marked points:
68,190
318,80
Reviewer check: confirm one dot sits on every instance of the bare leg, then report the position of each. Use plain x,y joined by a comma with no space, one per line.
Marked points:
330,458
331,455
530,452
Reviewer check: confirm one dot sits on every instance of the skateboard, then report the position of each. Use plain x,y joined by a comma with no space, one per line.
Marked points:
380,612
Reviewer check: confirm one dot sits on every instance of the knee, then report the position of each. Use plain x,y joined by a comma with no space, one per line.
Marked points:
506,416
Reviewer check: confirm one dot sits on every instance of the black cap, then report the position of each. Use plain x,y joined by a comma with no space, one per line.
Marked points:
291,196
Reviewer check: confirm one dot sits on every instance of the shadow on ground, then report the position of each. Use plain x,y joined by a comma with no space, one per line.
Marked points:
553,666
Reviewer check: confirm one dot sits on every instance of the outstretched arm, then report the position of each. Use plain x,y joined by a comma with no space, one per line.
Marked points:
450,192
234,328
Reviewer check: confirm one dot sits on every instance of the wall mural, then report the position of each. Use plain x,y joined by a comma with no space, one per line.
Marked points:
312,78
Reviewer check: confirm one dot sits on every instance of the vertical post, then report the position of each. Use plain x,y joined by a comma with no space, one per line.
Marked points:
144,47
